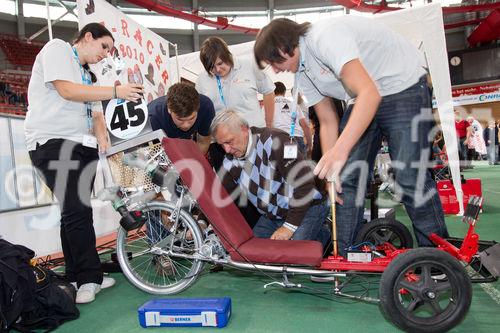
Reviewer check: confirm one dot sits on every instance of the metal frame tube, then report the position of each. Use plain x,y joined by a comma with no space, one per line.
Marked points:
49,24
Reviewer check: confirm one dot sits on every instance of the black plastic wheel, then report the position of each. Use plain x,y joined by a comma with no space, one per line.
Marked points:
425,290
382,230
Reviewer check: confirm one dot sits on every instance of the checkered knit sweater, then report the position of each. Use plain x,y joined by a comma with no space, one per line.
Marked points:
282,189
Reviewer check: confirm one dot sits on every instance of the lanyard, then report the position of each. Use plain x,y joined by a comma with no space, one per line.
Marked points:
86,81
295,98
294,106
221,93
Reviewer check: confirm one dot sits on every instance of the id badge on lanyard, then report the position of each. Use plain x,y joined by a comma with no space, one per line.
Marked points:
290,150
221,92
89,140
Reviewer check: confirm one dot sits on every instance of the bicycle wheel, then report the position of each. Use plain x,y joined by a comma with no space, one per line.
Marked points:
151,257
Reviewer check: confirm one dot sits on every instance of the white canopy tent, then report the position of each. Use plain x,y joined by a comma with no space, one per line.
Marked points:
424,27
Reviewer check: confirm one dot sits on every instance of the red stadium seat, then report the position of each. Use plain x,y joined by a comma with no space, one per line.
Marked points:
18,52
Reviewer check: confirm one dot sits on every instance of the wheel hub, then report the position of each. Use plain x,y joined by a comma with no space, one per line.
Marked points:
430,294
156,250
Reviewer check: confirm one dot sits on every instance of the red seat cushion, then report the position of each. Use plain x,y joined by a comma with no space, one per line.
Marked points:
227,221
270,251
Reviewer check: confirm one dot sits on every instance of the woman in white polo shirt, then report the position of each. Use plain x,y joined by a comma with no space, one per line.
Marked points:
63,128
233,83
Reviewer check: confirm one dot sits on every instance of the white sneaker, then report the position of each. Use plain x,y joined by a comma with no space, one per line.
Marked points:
86,293
107,282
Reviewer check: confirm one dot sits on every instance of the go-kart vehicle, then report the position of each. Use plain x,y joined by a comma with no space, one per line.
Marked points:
162,246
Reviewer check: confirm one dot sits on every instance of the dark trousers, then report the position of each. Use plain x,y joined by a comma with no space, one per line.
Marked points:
316,148
68,169
462,153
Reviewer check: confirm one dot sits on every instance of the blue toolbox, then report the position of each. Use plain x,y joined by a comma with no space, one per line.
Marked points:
191,312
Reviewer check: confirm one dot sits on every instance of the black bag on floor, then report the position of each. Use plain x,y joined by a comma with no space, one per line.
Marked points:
31,297
17,282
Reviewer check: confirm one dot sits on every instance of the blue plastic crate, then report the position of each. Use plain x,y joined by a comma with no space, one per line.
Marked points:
187,312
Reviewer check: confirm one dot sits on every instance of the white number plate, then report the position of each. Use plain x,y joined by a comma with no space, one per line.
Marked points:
126,120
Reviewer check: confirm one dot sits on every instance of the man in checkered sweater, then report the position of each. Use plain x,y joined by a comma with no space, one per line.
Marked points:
283,190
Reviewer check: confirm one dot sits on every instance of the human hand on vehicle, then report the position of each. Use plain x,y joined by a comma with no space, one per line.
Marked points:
131,91
103,144
282,233
330,166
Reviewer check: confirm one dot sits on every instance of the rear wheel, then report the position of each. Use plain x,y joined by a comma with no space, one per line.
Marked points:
151,257
425,290
379,231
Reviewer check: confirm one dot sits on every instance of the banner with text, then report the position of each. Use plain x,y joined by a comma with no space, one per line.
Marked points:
139,56
483,93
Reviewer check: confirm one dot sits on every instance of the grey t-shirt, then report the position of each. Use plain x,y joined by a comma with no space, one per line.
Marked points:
393,63
283,115
49,115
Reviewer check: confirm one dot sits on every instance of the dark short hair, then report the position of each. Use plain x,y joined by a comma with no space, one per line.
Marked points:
213,48
96,29
182,99
279,88
281,34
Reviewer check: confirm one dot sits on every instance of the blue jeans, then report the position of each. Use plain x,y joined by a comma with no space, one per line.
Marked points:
406,120
313,226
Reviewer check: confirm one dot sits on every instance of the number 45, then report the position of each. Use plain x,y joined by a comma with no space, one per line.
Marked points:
119,120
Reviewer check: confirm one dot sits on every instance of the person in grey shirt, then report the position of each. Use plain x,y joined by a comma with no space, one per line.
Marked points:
382,78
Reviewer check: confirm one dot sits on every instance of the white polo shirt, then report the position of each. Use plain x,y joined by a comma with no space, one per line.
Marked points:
240,88
49,115
283,115
393,63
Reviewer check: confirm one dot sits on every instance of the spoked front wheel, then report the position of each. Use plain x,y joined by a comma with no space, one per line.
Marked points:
425,290
156,259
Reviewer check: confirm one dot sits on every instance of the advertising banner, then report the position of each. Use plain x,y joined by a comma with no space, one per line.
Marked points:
139,56
484,93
